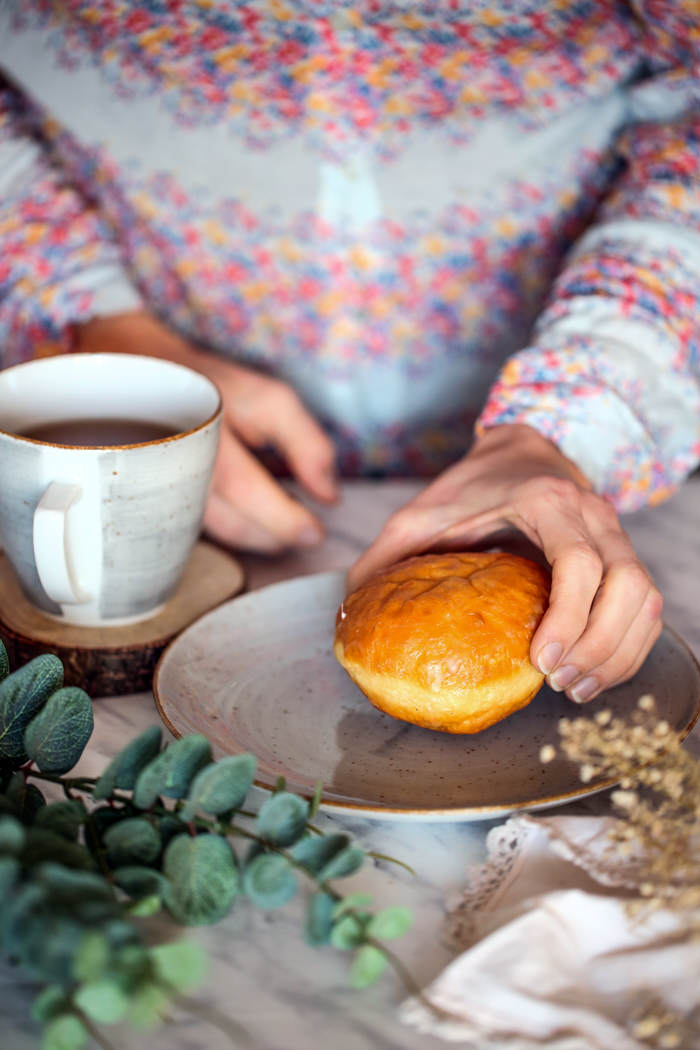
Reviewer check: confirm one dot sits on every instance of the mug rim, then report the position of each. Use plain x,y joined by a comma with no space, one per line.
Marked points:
137,444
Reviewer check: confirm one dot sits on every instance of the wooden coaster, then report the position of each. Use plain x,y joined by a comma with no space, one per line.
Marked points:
110,661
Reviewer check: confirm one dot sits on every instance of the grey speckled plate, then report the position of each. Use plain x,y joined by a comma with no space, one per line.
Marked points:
258,674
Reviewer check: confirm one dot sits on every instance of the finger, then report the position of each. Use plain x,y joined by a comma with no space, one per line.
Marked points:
626,661
229,525
283,420
242,482
644,650
623,592
422,525
577,569
410,531
308,451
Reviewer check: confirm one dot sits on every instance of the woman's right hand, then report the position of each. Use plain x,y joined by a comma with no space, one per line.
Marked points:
247,507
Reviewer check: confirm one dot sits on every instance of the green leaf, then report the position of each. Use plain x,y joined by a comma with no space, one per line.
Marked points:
221,786
120,933
145,907
64,1032
43,845
390,923
171,773
28,902
56,737
169,826
315,851
316,799
25,798
104,817
75,890
269,881
147,1006
353,901
50,1001
319,918
254,849
368,965
348,932
132,964
22,694
344,863
282,818
9,873
41,937
103,1001
6,806
11,835
125,767
139,881
49,943
180,964
133,840
91,956
4,662
203,878
65,818
51,951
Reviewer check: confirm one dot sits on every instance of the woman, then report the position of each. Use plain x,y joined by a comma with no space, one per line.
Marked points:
351,216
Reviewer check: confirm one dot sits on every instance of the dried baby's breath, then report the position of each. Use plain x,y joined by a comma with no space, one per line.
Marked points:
663,1029
656,833
658,800
624,799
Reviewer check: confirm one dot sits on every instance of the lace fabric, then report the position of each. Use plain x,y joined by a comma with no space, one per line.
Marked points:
547,955
506,845
581,840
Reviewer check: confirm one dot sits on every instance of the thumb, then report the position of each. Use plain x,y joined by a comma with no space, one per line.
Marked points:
411,530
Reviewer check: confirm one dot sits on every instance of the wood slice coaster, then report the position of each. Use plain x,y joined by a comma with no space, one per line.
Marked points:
110,661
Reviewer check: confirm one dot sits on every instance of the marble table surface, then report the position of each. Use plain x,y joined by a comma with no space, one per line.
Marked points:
267,989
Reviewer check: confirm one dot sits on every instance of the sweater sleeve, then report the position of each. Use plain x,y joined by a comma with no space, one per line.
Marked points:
59,263
612,375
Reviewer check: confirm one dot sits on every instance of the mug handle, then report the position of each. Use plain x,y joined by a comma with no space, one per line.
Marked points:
52,544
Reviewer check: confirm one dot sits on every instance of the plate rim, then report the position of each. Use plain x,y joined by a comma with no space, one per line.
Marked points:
420,813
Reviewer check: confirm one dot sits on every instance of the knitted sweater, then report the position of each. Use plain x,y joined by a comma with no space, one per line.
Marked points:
424,216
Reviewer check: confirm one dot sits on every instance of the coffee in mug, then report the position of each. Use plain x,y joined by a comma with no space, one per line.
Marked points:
105,462
91,432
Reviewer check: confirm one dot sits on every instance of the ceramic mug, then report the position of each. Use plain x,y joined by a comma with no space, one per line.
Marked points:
100,534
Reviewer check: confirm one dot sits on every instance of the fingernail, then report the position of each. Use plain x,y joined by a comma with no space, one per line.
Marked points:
549,657
309,536
585,689
562,677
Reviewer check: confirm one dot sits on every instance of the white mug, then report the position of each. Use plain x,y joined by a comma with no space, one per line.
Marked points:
100,534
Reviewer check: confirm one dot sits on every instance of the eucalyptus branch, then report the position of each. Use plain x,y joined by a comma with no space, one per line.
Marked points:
74,783
98,850
155,830
392,860
95,1033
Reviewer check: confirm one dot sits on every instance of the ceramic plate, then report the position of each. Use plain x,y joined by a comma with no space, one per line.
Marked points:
258,674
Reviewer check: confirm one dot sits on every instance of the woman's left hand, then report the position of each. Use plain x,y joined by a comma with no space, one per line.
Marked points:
604,612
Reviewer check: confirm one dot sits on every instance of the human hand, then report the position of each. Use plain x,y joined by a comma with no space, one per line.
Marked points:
247,507
604,612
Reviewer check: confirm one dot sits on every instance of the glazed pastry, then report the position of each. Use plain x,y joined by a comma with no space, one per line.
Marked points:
443,640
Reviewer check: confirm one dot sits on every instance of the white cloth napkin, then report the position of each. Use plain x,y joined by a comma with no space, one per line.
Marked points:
552,956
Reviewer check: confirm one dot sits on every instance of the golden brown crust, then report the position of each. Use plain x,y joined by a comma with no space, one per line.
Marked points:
443,640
